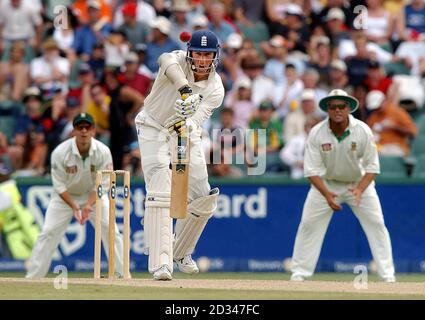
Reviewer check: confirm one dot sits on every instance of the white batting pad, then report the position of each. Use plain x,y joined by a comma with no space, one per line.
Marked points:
159,231
189,230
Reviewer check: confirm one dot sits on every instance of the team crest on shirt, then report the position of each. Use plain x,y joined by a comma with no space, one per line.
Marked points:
327,146
353,146
71,169
92,168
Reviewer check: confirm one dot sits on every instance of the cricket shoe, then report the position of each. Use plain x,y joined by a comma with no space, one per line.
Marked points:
163,273
389,279
187,265
297,278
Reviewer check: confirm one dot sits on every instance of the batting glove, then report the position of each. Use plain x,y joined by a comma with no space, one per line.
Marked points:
176,123
186,108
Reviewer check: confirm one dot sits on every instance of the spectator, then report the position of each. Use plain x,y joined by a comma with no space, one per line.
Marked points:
293,124
95,31
73,108
125,103
144,13
50,71
116,48
358,46
358,63
310,80
14,74
222,169
228,139
278,58
376,78
98,106
321,57
18,21
218,24
54,121
262,88
392,126
338,76
160,43
360,92
380,24
335,26
288,92
295,30
30,148
293,152
248,15
64,36
320,19
414,17
97,61
199,22
82,10
135,32
179,20
267,146
232,55
141,53
133,78
239,100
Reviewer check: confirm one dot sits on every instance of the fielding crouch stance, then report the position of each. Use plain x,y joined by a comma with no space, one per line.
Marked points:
341,161
190,76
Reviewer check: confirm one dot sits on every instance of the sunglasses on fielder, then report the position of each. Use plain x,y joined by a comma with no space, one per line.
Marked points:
337,106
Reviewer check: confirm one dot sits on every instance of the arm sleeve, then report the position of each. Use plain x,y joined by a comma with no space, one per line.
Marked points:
58,174
169,63
313,163
370,155
207,106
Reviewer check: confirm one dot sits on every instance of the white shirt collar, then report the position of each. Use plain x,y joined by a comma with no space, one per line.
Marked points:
75,151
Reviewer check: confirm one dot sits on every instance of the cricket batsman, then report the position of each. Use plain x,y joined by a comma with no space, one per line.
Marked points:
184,94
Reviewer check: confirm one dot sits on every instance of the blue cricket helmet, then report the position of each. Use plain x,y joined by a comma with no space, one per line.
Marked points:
203,41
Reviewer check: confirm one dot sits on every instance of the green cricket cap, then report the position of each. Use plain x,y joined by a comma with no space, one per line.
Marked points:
83,117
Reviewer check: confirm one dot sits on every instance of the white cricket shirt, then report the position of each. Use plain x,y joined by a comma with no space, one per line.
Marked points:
345,160
73,174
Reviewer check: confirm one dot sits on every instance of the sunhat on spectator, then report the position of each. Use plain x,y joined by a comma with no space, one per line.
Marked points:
162,24
200,21
374,99
234,41
335,14
339,65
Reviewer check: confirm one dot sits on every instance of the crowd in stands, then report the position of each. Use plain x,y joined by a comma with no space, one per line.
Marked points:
278,59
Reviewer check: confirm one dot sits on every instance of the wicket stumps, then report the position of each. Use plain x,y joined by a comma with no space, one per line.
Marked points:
98,223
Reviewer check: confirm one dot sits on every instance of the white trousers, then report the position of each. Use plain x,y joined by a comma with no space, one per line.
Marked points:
315,220
57,218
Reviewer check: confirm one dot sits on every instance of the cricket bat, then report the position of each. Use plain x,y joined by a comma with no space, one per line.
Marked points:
180,175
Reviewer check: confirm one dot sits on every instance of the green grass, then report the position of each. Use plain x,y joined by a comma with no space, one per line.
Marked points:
17,290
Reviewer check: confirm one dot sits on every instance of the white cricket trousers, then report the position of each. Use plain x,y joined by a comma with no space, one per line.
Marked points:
315,220
58,217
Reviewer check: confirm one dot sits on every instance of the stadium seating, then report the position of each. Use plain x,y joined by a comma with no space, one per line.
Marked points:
419,168
418,146
392,167
8,115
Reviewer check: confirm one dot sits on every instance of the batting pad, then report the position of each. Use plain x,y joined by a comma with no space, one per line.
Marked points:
158,228
189,230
